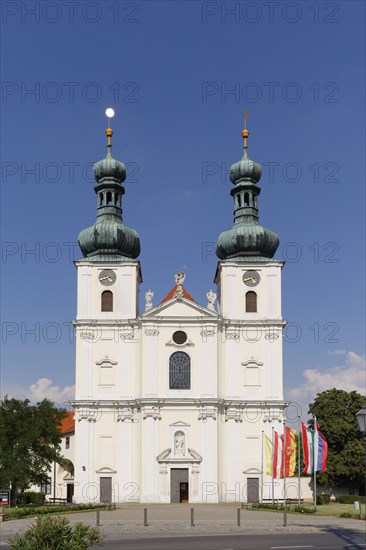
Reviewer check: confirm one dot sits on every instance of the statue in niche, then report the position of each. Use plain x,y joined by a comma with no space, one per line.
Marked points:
211,297
148,297
179,443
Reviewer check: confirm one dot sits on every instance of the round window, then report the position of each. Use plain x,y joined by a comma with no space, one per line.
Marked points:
180,337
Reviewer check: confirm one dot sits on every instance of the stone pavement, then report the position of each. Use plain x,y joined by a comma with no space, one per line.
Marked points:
169,520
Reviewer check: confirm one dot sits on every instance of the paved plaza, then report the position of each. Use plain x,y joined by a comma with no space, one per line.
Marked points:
174,520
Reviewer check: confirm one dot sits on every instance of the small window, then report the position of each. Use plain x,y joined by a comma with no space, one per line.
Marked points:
109,198
251,302
246,199
179,371
46,487
67,442
107,300
179,337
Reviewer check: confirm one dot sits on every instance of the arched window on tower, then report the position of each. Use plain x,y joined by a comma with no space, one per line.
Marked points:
246,199
251,302
107,300
109,198
179,371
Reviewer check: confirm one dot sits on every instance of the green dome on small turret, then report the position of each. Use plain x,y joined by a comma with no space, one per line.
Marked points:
109,239
109,168
247,238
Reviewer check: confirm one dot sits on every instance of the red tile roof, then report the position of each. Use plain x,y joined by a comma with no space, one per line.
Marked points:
68,424
170,295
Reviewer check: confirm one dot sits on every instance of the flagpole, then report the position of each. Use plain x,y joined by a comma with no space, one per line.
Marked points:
262,464
284,475
314,465
299,462
272,464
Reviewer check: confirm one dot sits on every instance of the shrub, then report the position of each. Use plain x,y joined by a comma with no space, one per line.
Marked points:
350,499
32,497
322,499
304,509
49,533
268,506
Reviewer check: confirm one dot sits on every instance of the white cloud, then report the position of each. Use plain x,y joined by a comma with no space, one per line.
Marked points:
337,352
43,388
349,376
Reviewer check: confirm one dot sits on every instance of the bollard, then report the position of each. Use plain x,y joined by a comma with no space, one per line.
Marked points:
145,517
98,517
192,517
238,517
285,515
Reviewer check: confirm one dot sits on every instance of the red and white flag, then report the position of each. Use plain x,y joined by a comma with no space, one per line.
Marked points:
278,456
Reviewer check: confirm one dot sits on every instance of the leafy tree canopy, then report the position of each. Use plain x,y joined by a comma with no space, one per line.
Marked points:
335,411
30,442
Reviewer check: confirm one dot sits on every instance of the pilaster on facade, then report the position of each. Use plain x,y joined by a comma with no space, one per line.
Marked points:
207,411
87,411
151,411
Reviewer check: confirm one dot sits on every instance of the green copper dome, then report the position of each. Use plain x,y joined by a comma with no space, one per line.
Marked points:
109,239
247,238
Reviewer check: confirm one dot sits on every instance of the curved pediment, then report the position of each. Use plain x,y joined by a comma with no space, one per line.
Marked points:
252,470
105,470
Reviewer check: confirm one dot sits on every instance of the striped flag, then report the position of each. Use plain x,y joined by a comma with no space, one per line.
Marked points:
307,444
315,449
278,456
290,452
320,451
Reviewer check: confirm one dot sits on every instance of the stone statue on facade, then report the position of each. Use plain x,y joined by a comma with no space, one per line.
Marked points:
179,443
211,297
179,281
148,297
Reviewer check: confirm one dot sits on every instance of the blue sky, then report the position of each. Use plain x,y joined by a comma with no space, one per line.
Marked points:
179,75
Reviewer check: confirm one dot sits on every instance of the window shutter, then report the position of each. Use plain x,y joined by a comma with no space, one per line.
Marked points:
251,302
107,300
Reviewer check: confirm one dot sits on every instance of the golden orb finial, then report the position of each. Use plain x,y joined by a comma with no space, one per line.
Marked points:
245,132
109,132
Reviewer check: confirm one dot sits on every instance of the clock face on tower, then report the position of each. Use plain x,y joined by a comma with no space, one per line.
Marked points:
251,278
107,277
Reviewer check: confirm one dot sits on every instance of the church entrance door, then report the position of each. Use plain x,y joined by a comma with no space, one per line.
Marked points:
69,492
253,489
105,489
179,488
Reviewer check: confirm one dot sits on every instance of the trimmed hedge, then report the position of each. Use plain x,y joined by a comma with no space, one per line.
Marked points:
16,513
350,499
33,497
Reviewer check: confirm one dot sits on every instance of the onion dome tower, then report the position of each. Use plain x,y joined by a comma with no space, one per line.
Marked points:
109,239
247,239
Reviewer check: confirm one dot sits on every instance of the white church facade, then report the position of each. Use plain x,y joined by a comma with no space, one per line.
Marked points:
172,399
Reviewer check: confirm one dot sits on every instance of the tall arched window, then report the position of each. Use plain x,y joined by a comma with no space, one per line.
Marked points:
251,302
179,371
107,300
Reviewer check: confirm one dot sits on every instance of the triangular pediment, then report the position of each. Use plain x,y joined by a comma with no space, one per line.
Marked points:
180,424
179,308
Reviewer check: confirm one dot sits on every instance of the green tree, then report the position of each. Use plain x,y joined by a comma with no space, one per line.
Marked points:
335,411
30,442
54,533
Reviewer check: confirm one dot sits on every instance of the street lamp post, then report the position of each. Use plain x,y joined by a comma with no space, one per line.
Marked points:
361,419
